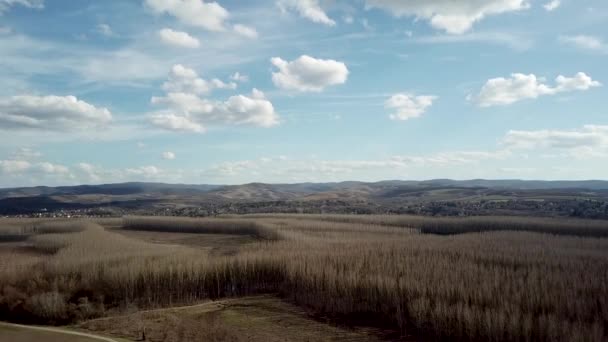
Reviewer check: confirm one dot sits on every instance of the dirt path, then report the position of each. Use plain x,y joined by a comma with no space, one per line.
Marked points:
55,331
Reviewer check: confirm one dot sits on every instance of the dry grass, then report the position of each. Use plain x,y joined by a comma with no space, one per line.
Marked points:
460,225
495,285
253,319
207,226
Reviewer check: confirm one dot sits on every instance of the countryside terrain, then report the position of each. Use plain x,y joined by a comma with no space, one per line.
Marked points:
306,277
586,199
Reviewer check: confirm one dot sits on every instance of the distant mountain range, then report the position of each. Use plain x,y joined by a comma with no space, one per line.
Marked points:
289,191
390,194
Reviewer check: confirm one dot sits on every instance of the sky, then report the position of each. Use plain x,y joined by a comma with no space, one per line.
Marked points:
286,91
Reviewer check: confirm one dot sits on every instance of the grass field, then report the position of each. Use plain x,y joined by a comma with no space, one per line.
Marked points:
14,333
465,279
255,319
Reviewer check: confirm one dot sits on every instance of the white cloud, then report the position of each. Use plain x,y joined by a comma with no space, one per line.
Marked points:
186,80
308,74
238,77
26,168
580,81
178,38
455,17
168,155
208,15
587,143
245,31
585,42
552,5
297,170
178,123
94,173
186,111
105,30
588,137
58,113
34,4
144,172
309,9
517,42
190,113
408,106
504,91
14,166
91,173
50,168
25,153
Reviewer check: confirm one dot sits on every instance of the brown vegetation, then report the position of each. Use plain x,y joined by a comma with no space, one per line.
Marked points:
495,285
206,226
253,319
460,225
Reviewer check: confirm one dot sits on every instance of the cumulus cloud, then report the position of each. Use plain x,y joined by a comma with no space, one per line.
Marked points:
14,166
178,123
585,42
309,9
552,5
408,106
208,15
168,155
178,38
50,168
455,17
190,113
60,113
308,74
34,4
186,80
245,31
185,110
504,91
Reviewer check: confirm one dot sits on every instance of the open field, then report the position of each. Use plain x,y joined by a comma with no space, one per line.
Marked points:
255,319
464,279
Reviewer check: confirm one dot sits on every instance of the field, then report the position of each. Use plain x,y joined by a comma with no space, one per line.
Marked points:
18,333
303,277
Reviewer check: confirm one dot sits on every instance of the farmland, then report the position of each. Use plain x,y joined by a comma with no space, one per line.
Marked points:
354,277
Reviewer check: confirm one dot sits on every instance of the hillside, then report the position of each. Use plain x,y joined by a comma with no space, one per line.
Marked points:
436,197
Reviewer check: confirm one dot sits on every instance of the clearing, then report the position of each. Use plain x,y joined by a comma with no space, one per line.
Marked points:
257,318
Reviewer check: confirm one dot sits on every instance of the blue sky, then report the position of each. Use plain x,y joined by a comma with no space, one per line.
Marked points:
231,92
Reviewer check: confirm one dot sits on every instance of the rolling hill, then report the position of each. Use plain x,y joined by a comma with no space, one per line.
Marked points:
384,196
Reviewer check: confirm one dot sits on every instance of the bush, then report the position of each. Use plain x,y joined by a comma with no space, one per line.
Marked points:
50,306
